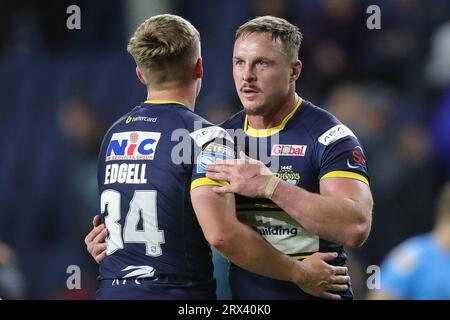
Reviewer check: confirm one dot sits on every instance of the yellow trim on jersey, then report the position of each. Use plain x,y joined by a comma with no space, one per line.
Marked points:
345,174
271,131
163,102
207,182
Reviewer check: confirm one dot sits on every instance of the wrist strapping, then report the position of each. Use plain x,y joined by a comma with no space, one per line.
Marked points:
271,185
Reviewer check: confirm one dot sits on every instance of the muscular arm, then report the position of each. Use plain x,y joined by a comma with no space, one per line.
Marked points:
236,241
342,212
247,249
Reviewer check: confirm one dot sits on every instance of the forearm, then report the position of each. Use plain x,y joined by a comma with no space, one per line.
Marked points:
248,250
341,220
236,241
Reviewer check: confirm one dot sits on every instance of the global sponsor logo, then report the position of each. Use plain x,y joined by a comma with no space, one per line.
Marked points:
132,145
293,150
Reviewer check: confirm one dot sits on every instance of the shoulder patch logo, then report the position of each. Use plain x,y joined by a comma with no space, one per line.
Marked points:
334,134
202,136
357,159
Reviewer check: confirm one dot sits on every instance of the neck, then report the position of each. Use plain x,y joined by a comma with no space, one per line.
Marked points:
185,95
442,234
276,115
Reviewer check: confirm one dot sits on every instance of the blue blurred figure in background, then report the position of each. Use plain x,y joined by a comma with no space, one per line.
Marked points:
419,268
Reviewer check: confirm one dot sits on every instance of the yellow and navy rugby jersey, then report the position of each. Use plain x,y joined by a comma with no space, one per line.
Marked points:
309,145
149,161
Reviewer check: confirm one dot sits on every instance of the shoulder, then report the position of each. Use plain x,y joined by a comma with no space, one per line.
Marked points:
209,133
201,130
235,121
123,120
322,125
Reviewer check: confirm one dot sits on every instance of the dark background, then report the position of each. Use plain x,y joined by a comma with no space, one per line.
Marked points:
61,89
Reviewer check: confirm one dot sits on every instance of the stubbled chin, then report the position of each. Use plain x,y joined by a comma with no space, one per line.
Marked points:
253,110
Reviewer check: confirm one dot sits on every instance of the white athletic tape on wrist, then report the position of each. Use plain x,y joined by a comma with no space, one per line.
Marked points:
271,185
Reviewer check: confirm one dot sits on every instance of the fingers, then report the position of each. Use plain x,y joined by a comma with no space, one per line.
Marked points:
96,221
95,240
94,233
340,270
242,155
341,279
101,237
246,159
225,189
217,176
218,167
330,296
338,287
224,165
100,257
99,248
96,245
326,256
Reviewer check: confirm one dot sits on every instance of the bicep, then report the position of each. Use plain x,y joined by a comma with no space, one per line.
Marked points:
215,212
346,188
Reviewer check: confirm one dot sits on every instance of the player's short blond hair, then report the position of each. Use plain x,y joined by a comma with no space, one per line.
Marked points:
165,48
281,30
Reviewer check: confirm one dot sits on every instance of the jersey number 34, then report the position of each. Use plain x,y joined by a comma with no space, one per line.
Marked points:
142,206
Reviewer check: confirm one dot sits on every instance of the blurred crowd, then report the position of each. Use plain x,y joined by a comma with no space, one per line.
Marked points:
61,89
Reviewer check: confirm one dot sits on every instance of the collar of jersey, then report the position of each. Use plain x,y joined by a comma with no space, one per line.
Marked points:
163,102
271,131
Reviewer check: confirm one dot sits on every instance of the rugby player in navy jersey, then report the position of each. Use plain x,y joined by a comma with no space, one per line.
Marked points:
158,205
317,198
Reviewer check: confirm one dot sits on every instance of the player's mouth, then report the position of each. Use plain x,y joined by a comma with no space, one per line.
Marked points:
249,92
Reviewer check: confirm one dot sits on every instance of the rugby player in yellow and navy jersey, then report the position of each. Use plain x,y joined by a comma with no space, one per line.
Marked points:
158,207
318,198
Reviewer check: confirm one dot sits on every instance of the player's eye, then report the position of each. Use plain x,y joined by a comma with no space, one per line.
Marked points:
239,63
261,63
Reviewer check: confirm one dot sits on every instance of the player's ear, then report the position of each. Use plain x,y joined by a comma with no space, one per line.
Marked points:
199,68
296,69
140,76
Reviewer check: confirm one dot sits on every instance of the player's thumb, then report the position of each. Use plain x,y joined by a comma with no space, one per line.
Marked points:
327,256
242,155
96,221
246,158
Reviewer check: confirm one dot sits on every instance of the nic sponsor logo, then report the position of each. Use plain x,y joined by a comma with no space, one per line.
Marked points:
135,145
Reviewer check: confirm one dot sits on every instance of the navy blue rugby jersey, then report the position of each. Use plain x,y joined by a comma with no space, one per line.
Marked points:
149,161
309,145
